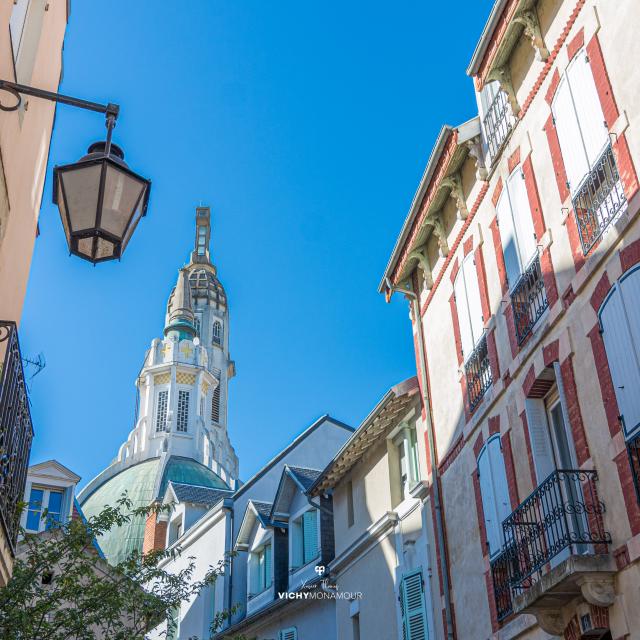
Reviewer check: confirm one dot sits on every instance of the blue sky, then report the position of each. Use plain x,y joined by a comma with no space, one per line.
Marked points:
306,127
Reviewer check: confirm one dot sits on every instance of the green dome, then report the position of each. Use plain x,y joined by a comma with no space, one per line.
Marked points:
140,482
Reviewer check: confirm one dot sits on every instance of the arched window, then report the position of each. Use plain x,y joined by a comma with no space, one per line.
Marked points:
620,325
494,491
217,332
215,405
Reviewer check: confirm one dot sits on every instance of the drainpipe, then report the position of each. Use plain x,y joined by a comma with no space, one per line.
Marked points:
435,482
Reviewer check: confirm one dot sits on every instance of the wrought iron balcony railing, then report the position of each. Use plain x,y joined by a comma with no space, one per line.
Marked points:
477,370
633,449
528,299
497,123
599,200
16,431
563,514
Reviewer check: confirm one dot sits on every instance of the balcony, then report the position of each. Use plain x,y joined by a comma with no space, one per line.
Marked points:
599,200
555,549
528,299
478,373
16,432
497,123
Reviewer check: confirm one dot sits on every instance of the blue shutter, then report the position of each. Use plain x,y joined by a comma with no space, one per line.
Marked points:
268,564
412,606
310,535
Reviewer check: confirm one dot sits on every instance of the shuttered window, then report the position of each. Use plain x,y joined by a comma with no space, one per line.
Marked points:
467,295
541,446
288,634
161,410
260,567
215,405
494,491
515,223
412,606
620,326
183,410
579,121
304,539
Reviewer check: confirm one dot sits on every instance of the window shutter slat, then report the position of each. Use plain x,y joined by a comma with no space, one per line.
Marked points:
500,484
310,532
618,336
508,238
588,107
522,218
268,564
573,154
541,446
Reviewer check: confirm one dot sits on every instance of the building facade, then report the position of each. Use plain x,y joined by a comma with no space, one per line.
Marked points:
30,53
181,429
520,258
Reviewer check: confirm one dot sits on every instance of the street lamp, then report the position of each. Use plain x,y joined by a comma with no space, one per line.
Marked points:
101,200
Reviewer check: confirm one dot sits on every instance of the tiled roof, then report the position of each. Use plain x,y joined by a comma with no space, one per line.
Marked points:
263,509
306,477
197,494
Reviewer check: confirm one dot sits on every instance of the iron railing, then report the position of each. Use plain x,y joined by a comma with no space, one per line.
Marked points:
528,299
16,431
633,449
477,370
497,123
564,512
500,573
599,200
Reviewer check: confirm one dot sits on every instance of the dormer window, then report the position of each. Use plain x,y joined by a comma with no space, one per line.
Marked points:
260,569
217,333
304,539
40,500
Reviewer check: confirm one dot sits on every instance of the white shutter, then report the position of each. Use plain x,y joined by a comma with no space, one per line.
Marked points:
508,238
541,446
473,297
462,307
621,350
491,517
566,122
16,24
522,218
587,104
500,485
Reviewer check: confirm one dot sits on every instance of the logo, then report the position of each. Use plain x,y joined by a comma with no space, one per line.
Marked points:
319,569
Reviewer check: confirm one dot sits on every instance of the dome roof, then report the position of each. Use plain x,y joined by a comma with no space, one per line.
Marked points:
204,282
140,482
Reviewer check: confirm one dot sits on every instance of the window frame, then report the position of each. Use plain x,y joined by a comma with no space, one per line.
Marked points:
463,305
264,549
45,524
161,389
297,533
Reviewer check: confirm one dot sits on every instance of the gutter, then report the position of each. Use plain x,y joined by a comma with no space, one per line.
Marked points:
485,37
436,153
435,481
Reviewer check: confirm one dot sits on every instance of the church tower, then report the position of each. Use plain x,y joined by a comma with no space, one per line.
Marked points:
180,433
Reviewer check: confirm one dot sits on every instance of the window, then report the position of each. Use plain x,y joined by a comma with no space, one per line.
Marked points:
202,240
355,626
16,25
494,491
350,513
197,322
412,606
592,175
519,247
40,500
406,445
217,332
304,539
288,634
620,326
183,410
161,410
260,569
497,119
467,295
215,405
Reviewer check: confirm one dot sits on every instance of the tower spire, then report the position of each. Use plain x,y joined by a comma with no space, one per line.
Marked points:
180,317
200,253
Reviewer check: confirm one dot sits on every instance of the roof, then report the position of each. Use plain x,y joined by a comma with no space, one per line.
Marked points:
306,477
197,494
143,485
485,37
385,415
256,511
292,479
47,465
292,445
263,509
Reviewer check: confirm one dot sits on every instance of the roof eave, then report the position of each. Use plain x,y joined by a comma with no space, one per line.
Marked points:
485,37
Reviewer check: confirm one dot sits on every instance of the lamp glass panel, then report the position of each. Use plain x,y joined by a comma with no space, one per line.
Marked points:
85,247
134,221
63,211
104,249
81,185
121,193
